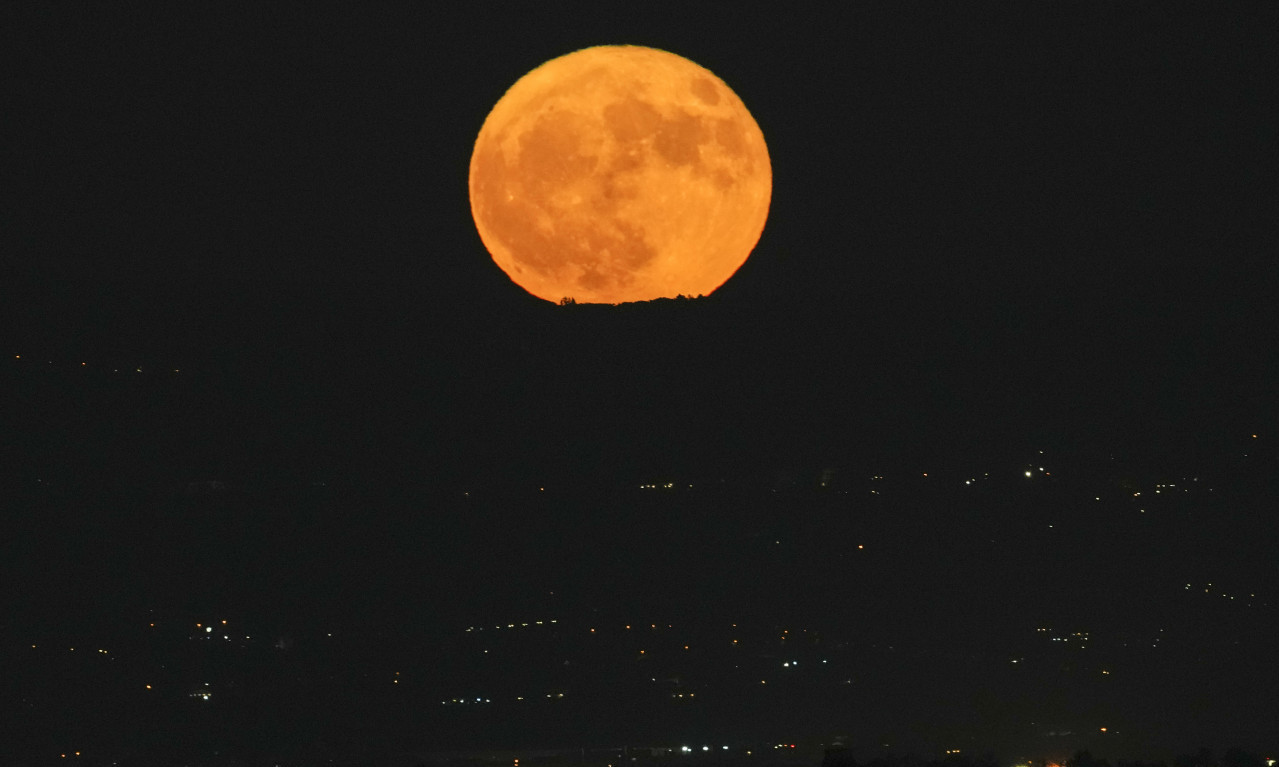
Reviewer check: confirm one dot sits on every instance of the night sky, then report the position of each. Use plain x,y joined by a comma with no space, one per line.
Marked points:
258,364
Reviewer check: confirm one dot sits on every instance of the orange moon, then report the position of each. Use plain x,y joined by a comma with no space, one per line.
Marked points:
620,173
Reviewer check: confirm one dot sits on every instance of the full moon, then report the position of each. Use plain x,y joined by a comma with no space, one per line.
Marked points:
620,173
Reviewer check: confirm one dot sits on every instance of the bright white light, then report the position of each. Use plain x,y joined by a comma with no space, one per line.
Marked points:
685,749
706,748
208,630
1028,474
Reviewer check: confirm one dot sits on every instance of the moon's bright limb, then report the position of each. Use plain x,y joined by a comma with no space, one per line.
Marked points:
620,173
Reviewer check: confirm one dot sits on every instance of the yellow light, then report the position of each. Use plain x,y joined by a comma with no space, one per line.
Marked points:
148,687
1103,729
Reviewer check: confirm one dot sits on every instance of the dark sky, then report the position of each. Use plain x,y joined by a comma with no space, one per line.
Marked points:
1049,217
1103,155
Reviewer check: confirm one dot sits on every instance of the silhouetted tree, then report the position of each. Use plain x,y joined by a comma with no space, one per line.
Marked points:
568,301
1237,757
1201,758
1139,763
1086,759
838,756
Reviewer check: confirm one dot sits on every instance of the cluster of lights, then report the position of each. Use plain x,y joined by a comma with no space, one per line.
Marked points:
1078,636
136,369
1208,589
484,701
470,629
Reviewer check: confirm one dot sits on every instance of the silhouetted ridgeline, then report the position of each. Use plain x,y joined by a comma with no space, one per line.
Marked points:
842,756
